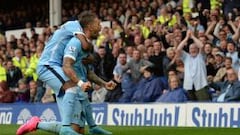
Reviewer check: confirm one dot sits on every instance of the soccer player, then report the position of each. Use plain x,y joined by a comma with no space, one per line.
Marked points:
59,75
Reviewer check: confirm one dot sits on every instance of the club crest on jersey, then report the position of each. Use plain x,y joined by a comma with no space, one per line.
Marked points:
72,48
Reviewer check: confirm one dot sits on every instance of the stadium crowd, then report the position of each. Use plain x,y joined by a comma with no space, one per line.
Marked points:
155,50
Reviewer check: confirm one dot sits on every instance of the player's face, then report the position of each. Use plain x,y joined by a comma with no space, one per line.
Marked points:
95,28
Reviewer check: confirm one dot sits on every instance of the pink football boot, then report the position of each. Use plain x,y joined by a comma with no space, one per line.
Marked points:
29,126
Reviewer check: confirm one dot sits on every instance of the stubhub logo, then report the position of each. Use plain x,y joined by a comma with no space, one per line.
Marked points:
142,115
221,117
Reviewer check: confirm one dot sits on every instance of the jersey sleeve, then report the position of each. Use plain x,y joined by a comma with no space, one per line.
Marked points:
73,48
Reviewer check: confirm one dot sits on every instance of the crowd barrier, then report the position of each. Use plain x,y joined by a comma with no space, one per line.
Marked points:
155,114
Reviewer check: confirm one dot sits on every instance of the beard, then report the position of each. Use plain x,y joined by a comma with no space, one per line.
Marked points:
95,35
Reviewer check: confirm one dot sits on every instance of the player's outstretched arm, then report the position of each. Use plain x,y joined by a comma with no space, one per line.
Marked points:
94,78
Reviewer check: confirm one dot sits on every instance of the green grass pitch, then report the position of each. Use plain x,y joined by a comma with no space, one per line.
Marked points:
137,130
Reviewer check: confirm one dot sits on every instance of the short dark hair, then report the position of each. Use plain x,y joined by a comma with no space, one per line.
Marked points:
149,69
228,58
101,47
86,18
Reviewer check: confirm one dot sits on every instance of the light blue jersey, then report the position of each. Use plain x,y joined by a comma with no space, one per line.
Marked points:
74,51
53,51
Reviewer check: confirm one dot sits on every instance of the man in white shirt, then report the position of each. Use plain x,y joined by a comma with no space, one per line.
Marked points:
195,73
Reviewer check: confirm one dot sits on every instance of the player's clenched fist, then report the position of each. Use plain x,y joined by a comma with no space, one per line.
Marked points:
110,85
85,86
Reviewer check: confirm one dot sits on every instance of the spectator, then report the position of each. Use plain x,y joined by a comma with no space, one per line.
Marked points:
115,94
104,64
14,74
31,70
229,90
201,36
220,34
149,52
219,59
229,5
98,94
207,48
6,96
215,50
103,37
147,27
135,65
179,68
149,88
166,18
34,35
195,74
22,91
169,60
129,52
19,60
48,96
233,53
195,26
122,80
3,72
223,46
221,73
175,93
41,90
211,71
33,91
157,58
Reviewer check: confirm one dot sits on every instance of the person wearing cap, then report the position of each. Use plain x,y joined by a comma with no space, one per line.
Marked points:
149,88
219,60
220,54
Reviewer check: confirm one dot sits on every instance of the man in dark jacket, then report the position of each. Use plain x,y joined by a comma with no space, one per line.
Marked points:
104,64
14,74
